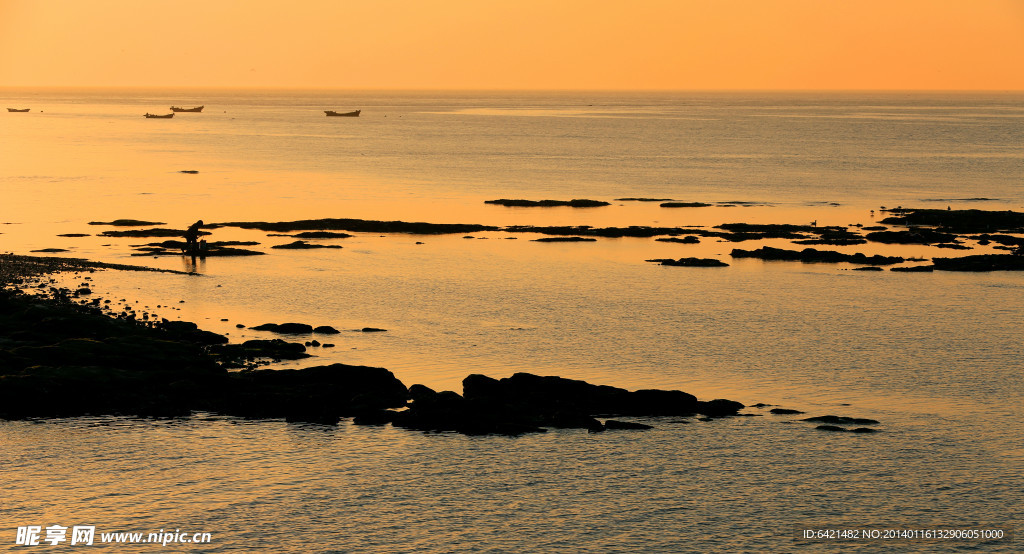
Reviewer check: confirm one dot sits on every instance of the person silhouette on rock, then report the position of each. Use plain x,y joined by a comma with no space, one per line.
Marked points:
192,237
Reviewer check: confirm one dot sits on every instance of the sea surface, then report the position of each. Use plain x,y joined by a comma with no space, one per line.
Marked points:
935,357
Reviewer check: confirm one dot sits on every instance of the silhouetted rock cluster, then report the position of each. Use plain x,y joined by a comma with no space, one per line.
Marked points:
811,255
61,358
525,403
961,221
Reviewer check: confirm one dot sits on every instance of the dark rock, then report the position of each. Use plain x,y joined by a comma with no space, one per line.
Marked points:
361,225
565,239
321,393
615,424
830,428
719,407
51,250
868,268
378,417
373,330
188,331
961,221
841,420
914,236
684,205
321,235
810,255
690,239
691,262
285,328
326,330
914,269
981,262
643,199
74,235
578,203
784,411
157,232
127,223
303,245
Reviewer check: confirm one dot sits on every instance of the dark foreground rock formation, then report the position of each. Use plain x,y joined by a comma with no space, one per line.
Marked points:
526,403
60,358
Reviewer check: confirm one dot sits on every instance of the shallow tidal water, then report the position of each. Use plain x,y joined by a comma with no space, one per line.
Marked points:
935,357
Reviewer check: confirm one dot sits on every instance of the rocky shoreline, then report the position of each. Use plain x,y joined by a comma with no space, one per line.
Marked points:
62,356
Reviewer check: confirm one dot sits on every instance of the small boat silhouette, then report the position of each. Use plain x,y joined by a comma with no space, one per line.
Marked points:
155,116
196,109
332,113
20,110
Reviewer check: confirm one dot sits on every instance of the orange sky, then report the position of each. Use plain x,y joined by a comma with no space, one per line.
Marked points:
516,44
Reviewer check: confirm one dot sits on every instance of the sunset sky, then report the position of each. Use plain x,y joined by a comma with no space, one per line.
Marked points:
515,44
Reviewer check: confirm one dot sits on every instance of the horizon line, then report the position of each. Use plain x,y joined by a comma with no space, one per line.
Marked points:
499,89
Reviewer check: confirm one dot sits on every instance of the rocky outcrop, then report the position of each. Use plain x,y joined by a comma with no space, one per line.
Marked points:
811,255
285,328
981,262
912,236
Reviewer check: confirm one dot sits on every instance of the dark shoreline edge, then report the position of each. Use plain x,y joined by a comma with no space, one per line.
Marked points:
61,356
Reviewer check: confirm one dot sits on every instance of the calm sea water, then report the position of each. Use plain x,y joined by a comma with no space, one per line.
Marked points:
935,357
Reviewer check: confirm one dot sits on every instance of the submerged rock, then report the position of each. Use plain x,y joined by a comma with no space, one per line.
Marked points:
914,269
691,262
577,203
684,205
361,225
303,245
127,223
565,239
841,420
690,239
321,235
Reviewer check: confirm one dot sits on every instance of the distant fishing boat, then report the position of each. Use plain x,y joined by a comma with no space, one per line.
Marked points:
332,113
20,110
154,116
196,109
